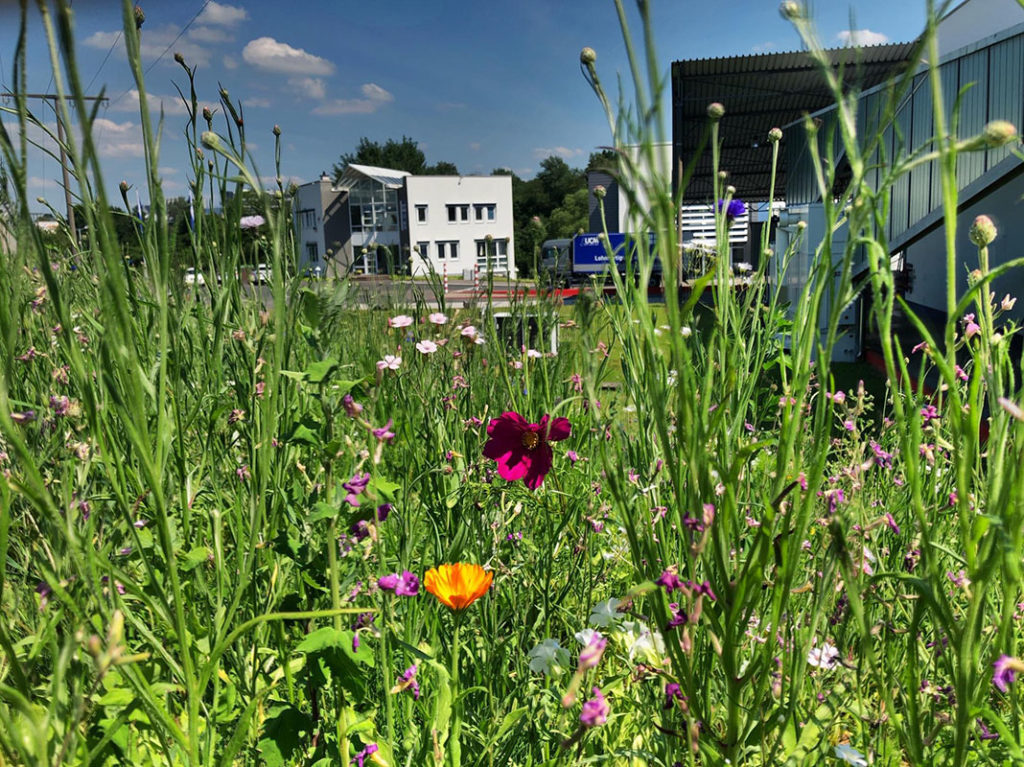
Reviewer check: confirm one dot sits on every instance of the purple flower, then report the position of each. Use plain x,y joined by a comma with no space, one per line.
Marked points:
384,432
407,681
735,209
986,733
355,487
352,408
404,584
382,512
1005,672
522,449
669,581
590,656
360,758
25,416
679,617
595,710
60,405
673,692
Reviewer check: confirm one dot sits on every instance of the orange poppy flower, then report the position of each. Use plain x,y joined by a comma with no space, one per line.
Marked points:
458,586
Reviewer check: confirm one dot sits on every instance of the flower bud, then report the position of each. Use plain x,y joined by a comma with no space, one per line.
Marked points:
140,17
207,114
791,10
277,130
775,135
716,111
983,231
179,58
801,225
1007,303
123,186
998,132
210,140
224,93
600,192
588,56
730,190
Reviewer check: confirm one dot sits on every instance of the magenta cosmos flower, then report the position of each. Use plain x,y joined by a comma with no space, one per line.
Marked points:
521,449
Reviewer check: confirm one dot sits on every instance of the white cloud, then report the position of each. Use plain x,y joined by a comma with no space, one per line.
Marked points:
256,102
222,15
267,53
374,97
153,43
209,35
474,145
310,87
561,151
764,47
167,171
114,139
861,37
230,62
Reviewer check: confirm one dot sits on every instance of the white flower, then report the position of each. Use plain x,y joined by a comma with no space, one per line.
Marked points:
548,658
685,330
673,376
438,318
426,347
390,362
643,642
479,341
586,636
604,613
850,755
400,321
533,354
825,656
743,266
469,331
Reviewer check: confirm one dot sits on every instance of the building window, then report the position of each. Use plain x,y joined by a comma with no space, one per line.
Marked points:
485,211
492,255
457,213
421,214
448,249
312,251
373,208
308,218
423,248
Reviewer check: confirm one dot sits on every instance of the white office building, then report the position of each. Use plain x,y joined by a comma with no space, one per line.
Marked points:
379,220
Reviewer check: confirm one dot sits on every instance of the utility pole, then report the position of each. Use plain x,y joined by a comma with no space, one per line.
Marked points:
60,142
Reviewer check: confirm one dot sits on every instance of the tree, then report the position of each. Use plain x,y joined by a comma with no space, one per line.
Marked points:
571,216
399,155
606,161
442,168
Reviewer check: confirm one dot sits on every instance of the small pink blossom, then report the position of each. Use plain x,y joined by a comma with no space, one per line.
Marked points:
400,321
438,318
426,347
390,362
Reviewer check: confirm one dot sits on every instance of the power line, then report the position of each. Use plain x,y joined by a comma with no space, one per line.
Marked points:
104,63
183,31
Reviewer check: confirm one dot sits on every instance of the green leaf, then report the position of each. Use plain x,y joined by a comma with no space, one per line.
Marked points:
194,558
320,371
305,432
334,649
322,510
384,488
119,696
283,736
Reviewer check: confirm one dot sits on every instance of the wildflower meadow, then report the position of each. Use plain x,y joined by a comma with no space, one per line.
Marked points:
273,525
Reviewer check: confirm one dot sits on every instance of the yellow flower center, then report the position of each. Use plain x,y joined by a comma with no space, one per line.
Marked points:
530,439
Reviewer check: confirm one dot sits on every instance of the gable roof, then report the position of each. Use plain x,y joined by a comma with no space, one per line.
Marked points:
353,174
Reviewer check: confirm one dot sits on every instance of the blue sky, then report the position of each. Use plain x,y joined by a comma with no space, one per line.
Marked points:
480,84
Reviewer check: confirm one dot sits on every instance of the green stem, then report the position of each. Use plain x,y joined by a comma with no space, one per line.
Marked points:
454,746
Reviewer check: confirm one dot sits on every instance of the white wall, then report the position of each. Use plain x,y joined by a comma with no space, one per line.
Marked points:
1006,209
438,192
310,196
976,20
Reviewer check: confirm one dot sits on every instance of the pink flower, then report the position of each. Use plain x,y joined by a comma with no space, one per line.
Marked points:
390,362
404,584
384,432
522,449
400,321
595,710
426,347
438,318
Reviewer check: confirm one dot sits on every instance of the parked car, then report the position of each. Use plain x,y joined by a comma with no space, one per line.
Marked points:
261,274
194,277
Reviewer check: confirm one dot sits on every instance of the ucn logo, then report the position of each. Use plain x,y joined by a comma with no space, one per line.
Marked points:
591,240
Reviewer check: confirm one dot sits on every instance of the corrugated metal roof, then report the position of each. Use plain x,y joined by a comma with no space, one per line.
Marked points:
760,92
386,176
